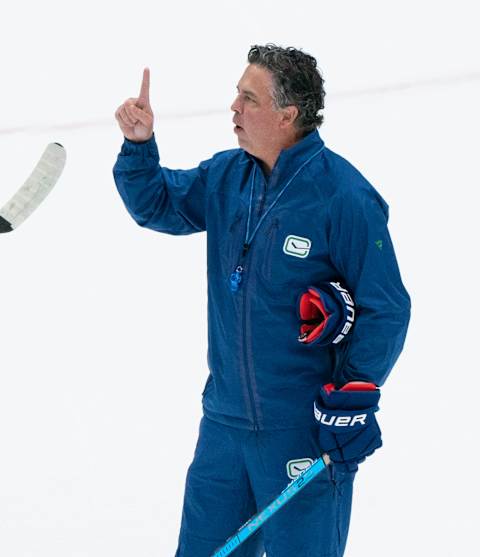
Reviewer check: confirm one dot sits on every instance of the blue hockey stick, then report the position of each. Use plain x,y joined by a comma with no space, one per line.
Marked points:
254,523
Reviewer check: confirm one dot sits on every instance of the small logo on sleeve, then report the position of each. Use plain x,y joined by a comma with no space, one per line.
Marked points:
297,246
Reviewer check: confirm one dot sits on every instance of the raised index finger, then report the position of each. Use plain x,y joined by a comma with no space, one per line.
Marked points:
145,88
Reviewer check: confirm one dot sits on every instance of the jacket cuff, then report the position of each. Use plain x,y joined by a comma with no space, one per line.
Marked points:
138,156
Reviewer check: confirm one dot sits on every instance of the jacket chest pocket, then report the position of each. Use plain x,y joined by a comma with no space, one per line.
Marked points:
232,241
291,256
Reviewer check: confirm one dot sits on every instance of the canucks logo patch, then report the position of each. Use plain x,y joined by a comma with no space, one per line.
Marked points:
297,246
297,466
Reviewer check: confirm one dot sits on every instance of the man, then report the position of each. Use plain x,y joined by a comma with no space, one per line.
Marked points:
293,233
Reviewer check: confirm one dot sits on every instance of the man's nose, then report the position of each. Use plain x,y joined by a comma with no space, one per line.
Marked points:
236,105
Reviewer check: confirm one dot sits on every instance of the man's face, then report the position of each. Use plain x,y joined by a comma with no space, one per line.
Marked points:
258,124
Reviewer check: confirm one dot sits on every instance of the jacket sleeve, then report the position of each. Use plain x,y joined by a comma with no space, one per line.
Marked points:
362,252
171,201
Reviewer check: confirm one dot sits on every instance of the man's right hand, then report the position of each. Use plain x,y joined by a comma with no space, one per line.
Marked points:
135,115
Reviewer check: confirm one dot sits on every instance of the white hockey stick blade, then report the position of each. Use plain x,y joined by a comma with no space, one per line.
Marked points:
35,189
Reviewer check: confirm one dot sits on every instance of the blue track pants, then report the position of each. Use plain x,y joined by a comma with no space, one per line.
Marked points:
236,472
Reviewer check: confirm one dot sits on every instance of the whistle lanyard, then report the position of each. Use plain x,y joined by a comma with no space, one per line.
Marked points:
237,276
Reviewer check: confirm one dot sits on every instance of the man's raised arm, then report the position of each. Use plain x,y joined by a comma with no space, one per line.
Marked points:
170,201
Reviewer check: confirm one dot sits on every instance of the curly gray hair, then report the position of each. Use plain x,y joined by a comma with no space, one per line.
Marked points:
297,82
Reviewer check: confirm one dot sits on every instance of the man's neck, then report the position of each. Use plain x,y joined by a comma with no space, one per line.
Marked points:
267,165
268,161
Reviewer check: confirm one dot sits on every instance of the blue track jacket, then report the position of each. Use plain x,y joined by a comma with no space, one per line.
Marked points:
319,220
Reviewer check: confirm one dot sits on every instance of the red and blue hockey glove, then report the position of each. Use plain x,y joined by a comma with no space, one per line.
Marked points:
348,429
326,314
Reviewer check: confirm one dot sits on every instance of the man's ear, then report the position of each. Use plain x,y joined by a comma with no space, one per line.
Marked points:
289,115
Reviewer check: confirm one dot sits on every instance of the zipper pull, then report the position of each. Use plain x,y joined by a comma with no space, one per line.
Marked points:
236,279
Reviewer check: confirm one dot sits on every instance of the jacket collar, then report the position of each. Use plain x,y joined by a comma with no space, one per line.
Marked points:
290,159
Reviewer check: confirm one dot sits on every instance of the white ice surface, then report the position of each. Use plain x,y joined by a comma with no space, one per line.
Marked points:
103,324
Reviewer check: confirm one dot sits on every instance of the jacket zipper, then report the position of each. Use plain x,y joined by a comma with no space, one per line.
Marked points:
247,367
262,199
235,279
246,248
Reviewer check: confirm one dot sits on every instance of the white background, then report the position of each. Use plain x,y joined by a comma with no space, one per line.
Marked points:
103,324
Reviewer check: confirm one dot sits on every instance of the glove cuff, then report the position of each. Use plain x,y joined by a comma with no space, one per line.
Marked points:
356,395
341,420
348,409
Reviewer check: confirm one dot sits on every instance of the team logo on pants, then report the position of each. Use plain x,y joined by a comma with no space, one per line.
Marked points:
297,466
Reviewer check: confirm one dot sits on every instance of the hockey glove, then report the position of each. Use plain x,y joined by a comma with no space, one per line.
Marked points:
326,314
348,430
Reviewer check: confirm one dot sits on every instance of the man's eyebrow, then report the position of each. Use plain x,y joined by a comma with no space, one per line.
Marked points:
247,92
